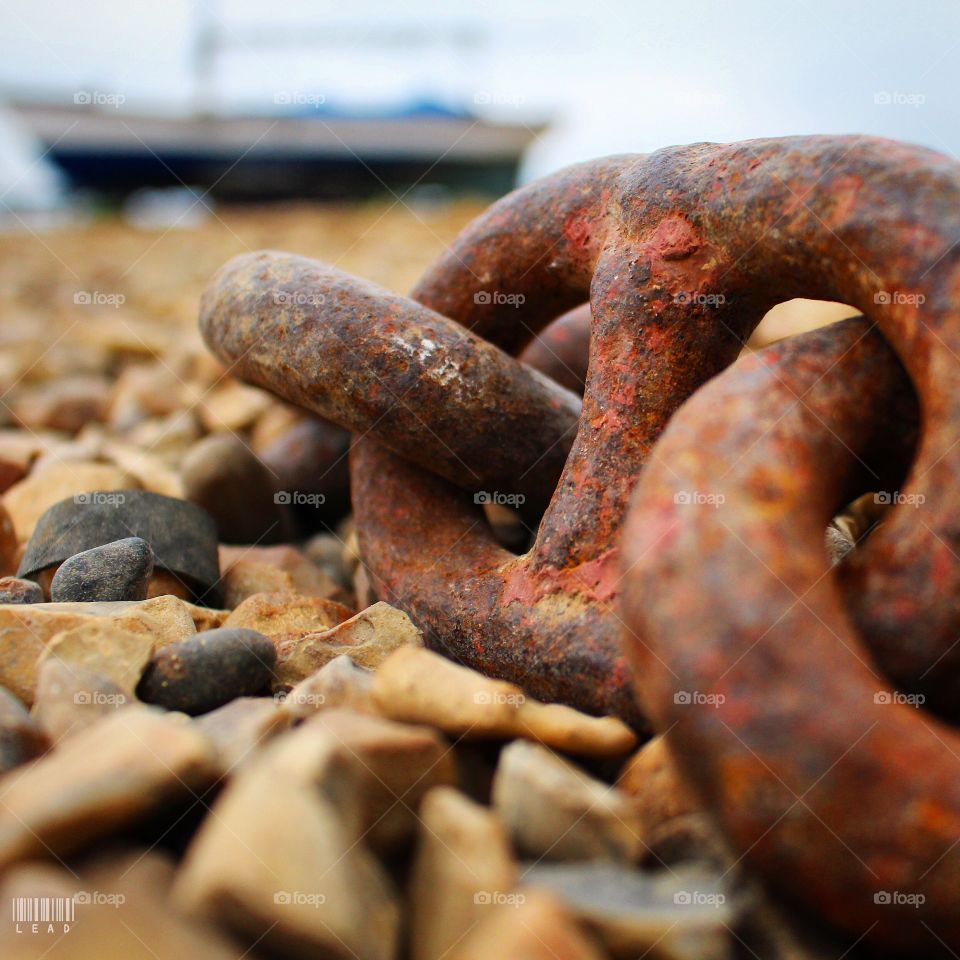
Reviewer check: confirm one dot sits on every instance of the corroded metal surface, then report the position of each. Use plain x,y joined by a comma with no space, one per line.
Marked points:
840,790
679,254
386,367
562,349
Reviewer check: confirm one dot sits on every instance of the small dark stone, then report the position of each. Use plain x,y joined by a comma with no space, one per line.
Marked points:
116,571
21,739
209,669
222,475
14,590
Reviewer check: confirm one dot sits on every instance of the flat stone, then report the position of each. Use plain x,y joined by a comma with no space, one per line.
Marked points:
276,863
415,685
286,617
391,766
119,570
463,864
279,569
224,477
69,698
104,779
554,810
42,488
369,637
420,686
101,646
531,924
27,628
21,738
239,728
208,669
181,535
14,590
339,683
683,914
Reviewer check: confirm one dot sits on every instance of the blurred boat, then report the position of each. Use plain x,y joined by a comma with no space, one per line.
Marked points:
318,152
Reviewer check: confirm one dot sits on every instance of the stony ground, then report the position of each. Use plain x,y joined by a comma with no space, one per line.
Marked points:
266,762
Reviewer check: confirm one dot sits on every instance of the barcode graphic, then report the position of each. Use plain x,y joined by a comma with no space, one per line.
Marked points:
43,909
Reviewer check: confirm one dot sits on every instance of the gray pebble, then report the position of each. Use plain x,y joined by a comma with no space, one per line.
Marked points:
115,571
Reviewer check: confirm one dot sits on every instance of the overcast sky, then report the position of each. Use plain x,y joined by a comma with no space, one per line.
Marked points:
614,75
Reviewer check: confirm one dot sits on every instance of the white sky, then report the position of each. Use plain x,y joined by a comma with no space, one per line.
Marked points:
616,76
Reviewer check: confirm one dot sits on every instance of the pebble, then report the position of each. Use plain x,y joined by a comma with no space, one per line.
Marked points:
378,770
463,863
9,544
285,617
326,551
18,450
107,777
27,500
369,637
27,628
14,590
554,810
339,683
69,698
21,738
651,780
310,456
100,645
239,728
681,914
280,569
120,570
277,865
419,686
66,404
233,406
208,669
533,925
222,475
